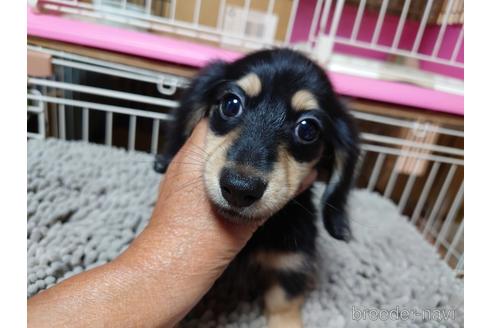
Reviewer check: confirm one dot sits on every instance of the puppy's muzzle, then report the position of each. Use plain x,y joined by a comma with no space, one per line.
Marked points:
240,190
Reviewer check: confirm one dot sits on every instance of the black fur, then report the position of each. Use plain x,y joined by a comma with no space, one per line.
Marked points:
268,121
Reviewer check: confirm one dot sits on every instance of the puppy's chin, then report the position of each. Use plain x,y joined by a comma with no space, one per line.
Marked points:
233,215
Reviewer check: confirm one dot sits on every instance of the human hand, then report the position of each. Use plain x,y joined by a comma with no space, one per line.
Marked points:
166,270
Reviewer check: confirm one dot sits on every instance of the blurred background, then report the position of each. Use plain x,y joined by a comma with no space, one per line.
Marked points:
108,72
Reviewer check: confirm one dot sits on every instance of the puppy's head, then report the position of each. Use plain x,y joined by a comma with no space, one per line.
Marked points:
273,117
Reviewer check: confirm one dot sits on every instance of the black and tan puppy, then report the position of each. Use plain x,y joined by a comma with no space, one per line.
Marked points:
273,118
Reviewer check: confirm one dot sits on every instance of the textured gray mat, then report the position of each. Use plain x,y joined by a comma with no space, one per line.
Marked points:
87,202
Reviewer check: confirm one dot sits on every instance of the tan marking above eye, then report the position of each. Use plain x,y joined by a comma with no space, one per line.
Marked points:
304,100
251,84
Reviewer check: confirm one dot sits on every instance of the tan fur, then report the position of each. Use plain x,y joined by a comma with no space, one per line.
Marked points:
281,260
216,148
282,311
295,171
251,84
304,100
283,182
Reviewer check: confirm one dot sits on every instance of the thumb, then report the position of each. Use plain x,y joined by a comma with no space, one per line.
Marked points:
199,132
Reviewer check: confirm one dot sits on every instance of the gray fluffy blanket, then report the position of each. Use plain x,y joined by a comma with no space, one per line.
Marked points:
87,202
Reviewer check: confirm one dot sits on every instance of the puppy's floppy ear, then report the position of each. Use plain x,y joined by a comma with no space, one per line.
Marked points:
340,169
194,105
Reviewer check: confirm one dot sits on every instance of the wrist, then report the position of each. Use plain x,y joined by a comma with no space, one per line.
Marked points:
204,245
175,264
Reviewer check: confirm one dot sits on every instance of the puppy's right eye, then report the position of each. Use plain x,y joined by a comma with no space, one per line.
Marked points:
230,107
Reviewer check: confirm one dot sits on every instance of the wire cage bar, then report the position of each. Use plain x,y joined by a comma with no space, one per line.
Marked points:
64,94
413,36
409,166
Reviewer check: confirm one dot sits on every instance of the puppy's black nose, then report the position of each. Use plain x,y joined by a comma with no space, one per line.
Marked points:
240,190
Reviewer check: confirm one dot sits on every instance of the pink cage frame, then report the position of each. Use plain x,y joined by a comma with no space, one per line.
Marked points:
192,54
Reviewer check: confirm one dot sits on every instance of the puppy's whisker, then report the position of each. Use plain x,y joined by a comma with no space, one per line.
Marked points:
189,184
199,147
132,161
193,149
183,173
197,161
363,224
303,207
331,206
190,163
202,150
194,155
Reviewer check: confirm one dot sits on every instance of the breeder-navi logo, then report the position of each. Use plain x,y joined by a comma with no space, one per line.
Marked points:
402,314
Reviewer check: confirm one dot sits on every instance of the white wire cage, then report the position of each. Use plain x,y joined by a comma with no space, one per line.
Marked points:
415,41
409,161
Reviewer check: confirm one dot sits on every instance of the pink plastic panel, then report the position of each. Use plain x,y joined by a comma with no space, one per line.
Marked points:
192,54
447,47
304,18
398,93
122,40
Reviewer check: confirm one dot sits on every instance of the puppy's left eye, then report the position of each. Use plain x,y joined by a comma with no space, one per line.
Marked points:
230,107
307,130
